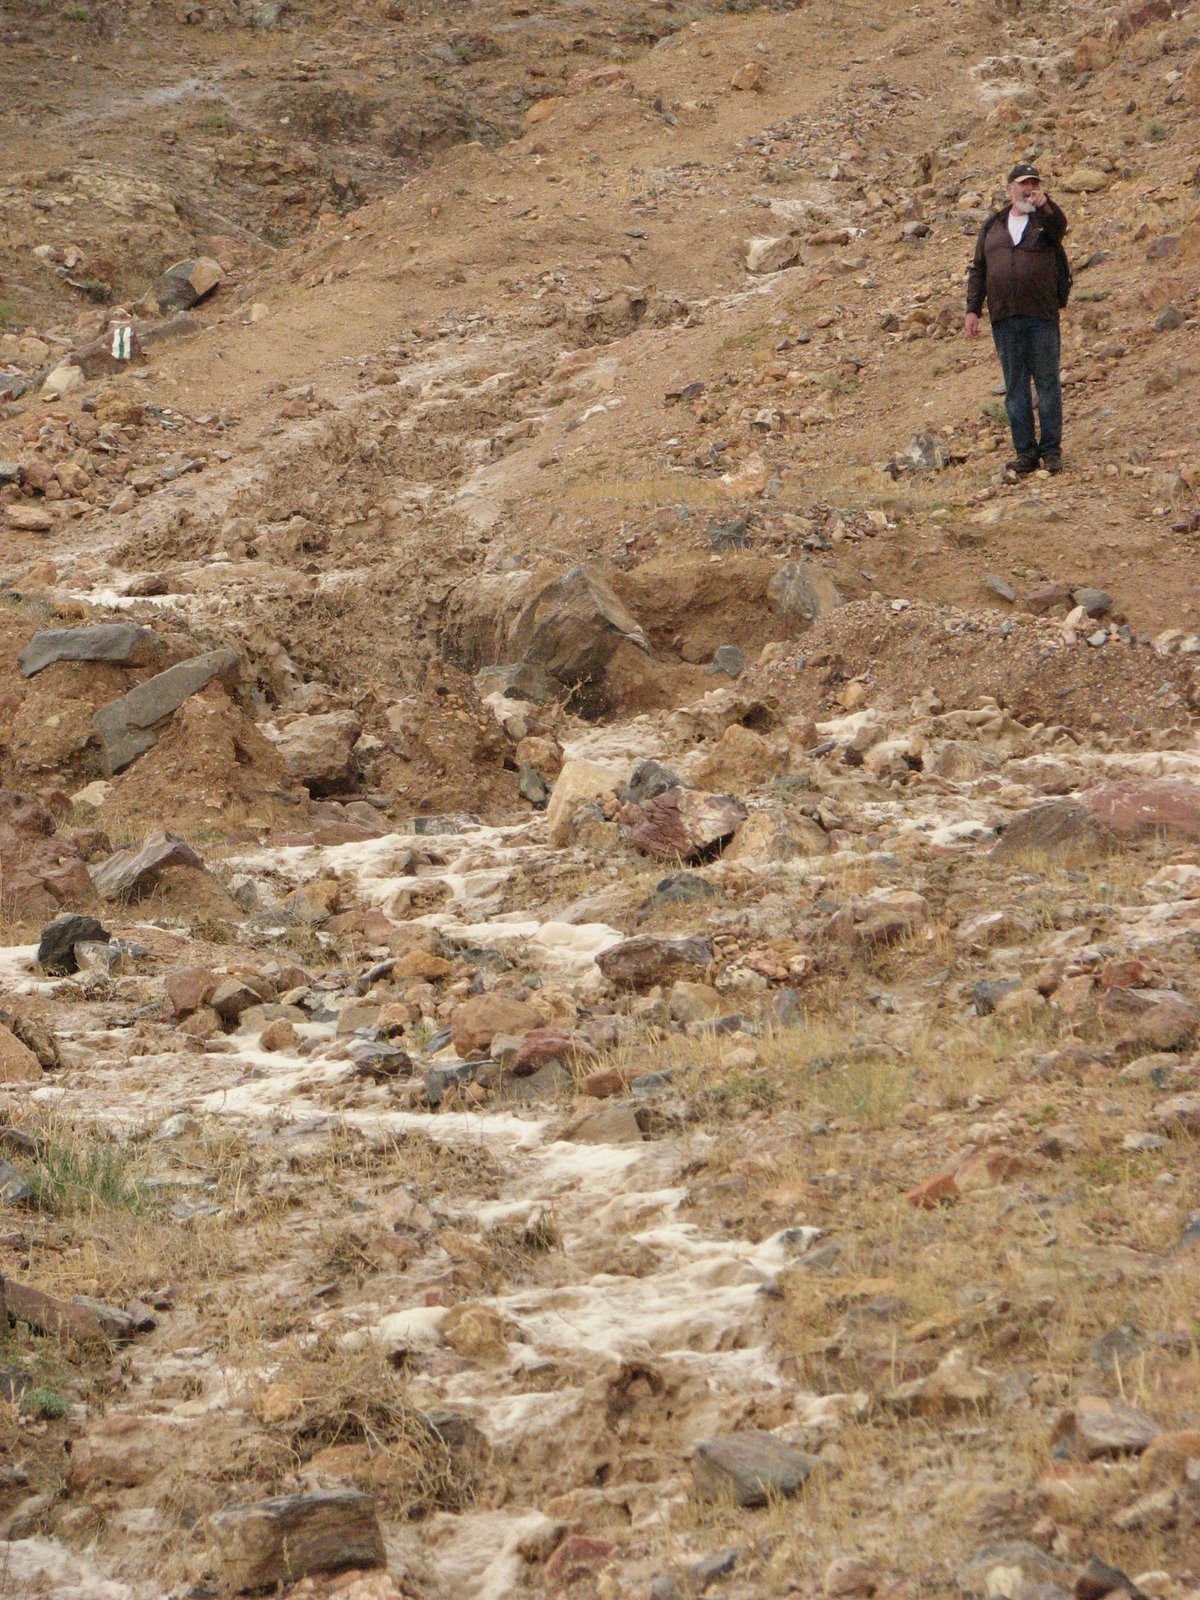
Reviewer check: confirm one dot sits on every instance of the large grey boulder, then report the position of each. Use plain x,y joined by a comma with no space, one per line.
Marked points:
128,727
573,627
106,641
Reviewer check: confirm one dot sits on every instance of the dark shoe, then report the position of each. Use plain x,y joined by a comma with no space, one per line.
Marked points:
1025,463
1052,461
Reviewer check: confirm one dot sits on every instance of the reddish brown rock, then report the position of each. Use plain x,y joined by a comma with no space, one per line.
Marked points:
188,988
550,1044
603,1084
18,1064
940,1190
578,1557
41,870
1152,1019
684,824
1145,808
646,959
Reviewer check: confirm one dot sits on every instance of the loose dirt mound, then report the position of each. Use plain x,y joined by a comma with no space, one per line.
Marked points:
1024,663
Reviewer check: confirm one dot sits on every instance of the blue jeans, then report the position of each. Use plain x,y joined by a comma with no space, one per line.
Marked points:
1028,348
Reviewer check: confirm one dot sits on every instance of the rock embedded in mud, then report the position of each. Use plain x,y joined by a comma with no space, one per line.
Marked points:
56,947
648,959
802,592
319,750
186,283
128,727
285,1538
133,874
772,252
573,627
614,1124
107,641
740,759
684,824
97,360
18,1064
750,1468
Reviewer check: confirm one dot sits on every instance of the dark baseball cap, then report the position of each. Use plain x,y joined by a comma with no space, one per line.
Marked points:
1024,169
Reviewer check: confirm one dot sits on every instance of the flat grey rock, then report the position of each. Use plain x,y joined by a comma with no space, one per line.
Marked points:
750,1467
106,641
128,727
130,874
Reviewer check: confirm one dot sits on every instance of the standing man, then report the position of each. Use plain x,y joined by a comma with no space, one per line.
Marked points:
1016,268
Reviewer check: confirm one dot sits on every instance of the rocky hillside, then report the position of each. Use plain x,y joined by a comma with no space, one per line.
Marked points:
598,989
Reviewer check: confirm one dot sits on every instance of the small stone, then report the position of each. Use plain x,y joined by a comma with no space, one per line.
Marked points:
279,1035
63,380
1002,590
1169,319
1095,602
727,658
750,1468
940,1190
925,452
1099,1427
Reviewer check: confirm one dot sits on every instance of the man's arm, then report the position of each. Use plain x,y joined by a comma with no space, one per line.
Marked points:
1053,219
976,284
